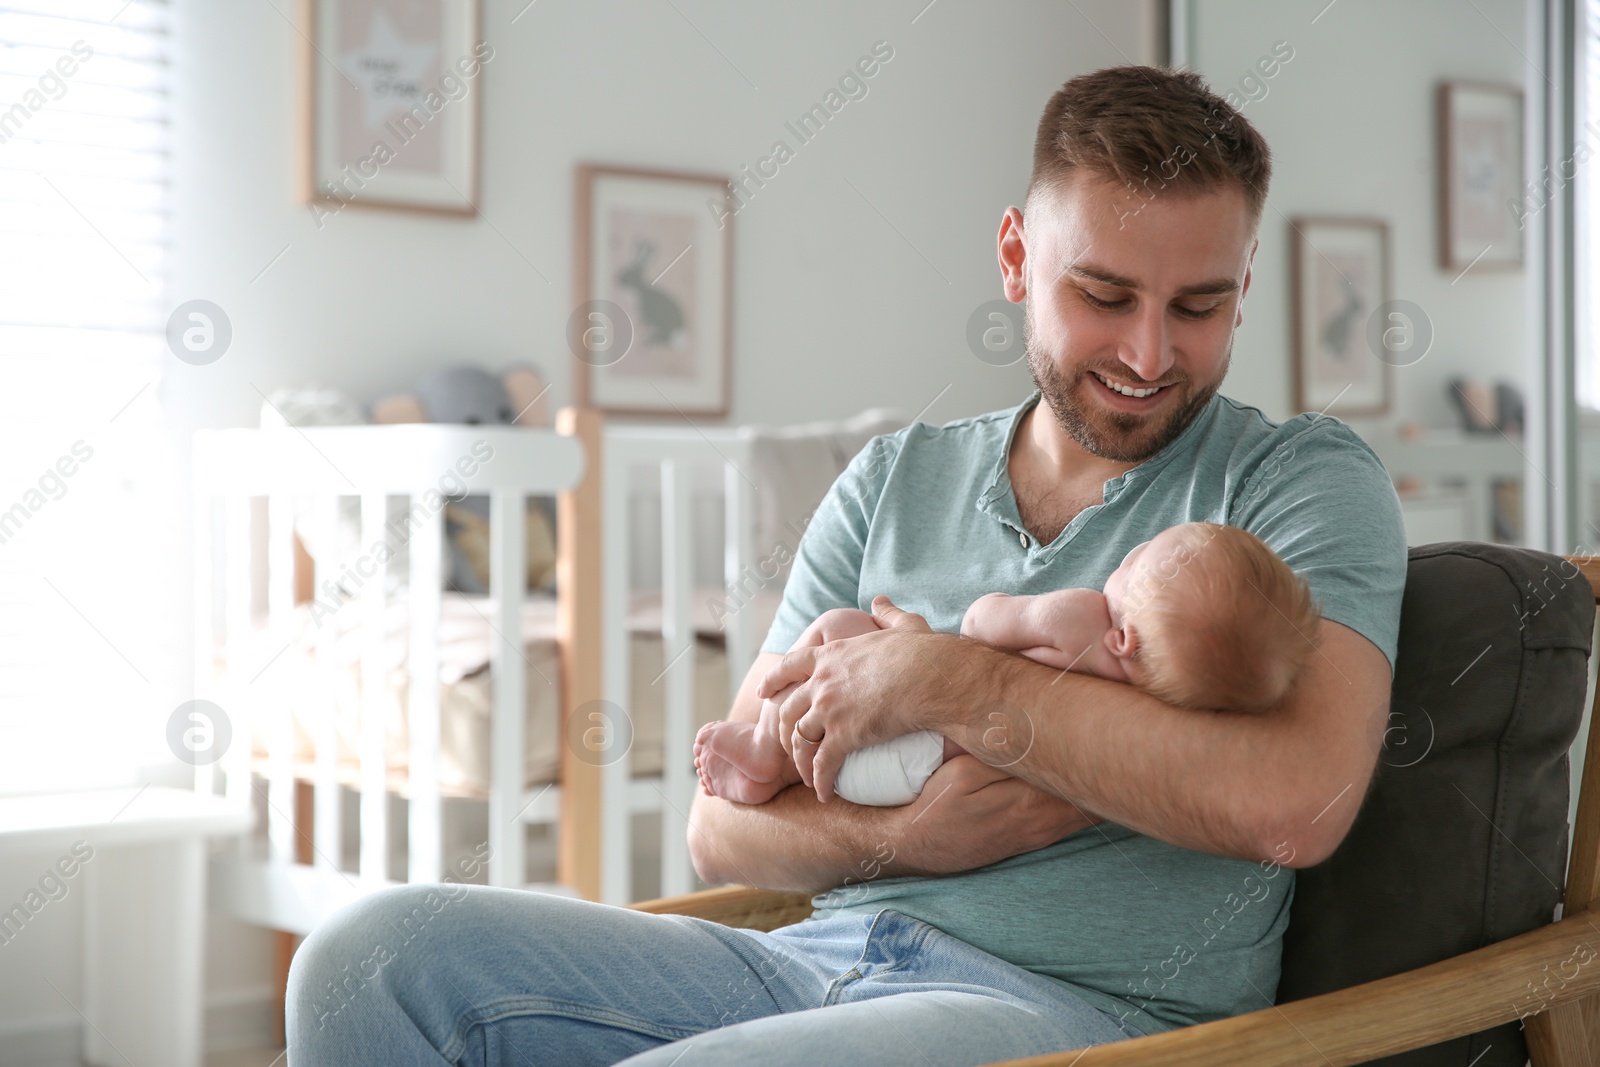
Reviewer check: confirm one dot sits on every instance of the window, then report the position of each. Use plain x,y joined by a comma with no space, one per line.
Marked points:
1584,167
84,152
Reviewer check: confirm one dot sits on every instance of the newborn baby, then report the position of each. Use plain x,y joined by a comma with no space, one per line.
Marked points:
1201,616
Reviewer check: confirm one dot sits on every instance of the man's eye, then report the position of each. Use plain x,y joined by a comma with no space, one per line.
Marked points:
1196,313
1106,305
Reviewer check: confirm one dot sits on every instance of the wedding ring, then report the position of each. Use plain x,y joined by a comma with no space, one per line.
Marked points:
804,738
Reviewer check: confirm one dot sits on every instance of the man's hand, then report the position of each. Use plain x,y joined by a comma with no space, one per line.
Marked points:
857,692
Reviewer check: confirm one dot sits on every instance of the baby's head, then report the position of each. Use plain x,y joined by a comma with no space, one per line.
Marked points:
1207,616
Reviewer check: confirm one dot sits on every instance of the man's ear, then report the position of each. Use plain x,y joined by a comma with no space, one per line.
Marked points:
1013,253
1244,287
1123,641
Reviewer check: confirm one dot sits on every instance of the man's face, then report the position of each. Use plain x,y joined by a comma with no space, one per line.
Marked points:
1128,294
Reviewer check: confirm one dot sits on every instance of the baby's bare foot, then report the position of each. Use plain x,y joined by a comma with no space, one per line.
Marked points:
723,779
735,764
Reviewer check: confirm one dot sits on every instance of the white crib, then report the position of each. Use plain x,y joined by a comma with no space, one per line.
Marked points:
246,589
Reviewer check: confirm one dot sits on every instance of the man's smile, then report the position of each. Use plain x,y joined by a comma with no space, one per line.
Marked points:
1139,397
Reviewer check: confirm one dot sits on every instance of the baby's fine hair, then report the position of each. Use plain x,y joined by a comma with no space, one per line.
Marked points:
1225,623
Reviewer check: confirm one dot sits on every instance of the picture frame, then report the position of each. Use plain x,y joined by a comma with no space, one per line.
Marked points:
1339,277
391,94
1480,176
652,325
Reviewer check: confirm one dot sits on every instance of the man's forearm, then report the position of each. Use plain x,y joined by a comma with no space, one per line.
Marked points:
791,842
1116,750
1236,784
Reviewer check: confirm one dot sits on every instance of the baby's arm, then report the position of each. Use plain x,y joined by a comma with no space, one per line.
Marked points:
1064,629
836,625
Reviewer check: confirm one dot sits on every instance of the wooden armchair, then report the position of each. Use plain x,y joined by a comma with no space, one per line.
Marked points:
1464,955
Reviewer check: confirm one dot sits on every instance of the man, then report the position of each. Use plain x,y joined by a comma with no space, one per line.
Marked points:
1101,865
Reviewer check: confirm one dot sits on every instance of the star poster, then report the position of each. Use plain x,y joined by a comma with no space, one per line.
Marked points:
394,93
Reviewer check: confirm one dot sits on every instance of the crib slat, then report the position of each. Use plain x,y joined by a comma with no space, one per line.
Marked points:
508,764
616,854
280,720
328,822
205,626
238,534
238,603
280,560
677,678
374,695
739,625
422,672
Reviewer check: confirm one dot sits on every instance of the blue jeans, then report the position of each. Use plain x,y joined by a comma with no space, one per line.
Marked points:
473,975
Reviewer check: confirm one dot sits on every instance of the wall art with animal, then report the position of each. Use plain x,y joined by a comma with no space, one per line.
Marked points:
652,315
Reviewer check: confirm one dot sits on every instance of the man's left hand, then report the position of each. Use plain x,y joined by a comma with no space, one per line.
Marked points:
859,691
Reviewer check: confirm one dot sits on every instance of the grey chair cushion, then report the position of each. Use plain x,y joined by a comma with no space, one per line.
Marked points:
1462,838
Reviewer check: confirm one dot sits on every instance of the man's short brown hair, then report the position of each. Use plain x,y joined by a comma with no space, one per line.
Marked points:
1150,129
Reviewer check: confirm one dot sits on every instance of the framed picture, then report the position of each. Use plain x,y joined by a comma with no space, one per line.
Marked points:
1480,176
651,329
1339,271
392,94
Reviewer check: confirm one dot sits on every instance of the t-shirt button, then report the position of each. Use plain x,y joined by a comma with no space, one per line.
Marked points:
1023,538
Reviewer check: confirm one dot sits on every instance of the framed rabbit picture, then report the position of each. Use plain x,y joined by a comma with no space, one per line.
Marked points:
652,321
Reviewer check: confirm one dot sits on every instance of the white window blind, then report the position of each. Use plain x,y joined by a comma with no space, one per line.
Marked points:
84,180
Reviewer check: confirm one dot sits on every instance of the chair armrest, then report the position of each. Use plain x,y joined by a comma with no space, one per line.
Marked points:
735,905
1454,997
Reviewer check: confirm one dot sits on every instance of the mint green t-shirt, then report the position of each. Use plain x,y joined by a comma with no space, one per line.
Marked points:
1160,935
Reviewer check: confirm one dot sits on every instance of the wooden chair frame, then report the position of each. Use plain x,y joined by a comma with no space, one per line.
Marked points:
1452,998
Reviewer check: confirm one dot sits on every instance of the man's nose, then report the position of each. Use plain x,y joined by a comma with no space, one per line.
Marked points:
1147,349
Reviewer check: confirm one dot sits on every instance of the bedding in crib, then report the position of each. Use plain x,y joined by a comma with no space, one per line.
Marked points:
319,675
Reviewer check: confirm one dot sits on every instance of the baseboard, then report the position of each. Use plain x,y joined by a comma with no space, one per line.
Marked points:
241,1019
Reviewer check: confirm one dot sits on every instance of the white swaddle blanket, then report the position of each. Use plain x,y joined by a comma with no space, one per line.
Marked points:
892,773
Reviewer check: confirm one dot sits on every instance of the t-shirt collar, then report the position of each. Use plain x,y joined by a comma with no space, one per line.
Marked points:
999,486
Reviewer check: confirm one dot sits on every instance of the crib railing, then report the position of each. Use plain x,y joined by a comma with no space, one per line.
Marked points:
232,468
675,454
243,580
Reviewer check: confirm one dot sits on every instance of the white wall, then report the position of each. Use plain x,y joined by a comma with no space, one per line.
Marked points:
833,310
1351,123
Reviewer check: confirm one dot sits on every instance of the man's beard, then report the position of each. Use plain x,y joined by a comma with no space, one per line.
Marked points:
1117,435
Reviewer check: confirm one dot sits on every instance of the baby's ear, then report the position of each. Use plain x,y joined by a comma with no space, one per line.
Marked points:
1122,641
